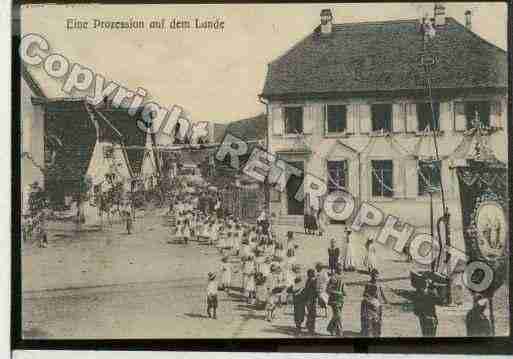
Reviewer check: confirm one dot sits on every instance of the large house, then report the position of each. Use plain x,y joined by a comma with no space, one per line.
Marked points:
350,104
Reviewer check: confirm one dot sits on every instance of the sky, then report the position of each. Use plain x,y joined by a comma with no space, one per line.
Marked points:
215,75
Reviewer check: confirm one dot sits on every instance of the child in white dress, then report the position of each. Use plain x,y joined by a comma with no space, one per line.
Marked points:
226,270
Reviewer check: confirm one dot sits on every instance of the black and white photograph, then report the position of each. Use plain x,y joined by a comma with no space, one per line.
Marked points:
263,171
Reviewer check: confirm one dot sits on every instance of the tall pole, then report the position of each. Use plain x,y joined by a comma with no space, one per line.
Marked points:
445,217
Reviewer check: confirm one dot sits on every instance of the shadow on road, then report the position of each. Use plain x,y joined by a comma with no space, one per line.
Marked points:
196,315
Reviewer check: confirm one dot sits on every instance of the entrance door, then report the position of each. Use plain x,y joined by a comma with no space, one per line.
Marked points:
295,207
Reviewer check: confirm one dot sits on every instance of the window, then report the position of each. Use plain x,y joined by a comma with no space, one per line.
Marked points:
337,175
293,120
382,117
336,116
429,177
382,177
425,116
337,180
477,112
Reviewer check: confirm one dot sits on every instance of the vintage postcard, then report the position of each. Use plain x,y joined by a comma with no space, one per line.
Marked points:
240,171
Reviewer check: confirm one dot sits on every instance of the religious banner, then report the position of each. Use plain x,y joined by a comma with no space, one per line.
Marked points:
485,213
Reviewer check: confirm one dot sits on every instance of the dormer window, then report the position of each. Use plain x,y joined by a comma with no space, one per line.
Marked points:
382,117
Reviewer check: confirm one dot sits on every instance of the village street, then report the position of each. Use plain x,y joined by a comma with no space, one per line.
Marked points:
112,285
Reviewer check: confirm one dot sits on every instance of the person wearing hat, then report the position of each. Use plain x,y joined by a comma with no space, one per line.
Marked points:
310,296
212,295
333,256
336,295
478,325
425,301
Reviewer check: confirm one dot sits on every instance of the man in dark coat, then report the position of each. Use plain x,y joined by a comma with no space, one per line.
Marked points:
310,294
478,325
333,257
299,303
424,308
371,315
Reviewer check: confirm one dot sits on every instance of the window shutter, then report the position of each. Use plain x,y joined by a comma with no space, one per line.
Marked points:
398,117
398,173
411,178
277,120
449,180
367,179
324,119
352,176
350,118
364,118
308,121
411,117
459,117
445,117
496,114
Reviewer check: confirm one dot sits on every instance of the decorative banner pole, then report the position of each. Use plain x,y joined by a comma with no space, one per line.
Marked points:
443,223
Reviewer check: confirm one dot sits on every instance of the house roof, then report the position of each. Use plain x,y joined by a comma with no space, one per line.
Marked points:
385,56
69,120
253,128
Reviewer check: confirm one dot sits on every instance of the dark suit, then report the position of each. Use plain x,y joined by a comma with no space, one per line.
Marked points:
333,256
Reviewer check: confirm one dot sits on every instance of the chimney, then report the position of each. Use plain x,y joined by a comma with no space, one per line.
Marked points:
468,19
326,21
439,14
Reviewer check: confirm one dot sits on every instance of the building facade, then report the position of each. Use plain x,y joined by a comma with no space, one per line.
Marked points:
32,136
352,104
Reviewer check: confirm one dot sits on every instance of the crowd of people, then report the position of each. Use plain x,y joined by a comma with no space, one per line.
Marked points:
262,268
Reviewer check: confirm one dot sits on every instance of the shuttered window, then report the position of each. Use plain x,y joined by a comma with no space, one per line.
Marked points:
429,177
425,116
336,117
382,178
477,113
293,119
381,117
337,175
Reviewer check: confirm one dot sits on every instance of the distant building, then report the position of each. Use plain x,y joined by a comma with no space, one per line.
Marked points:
32,135
78,132
349,104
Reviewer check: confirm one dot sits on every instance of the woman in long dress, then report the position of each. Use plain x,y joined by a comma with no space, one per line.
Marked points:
227,274
349,260
370,258
322,221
